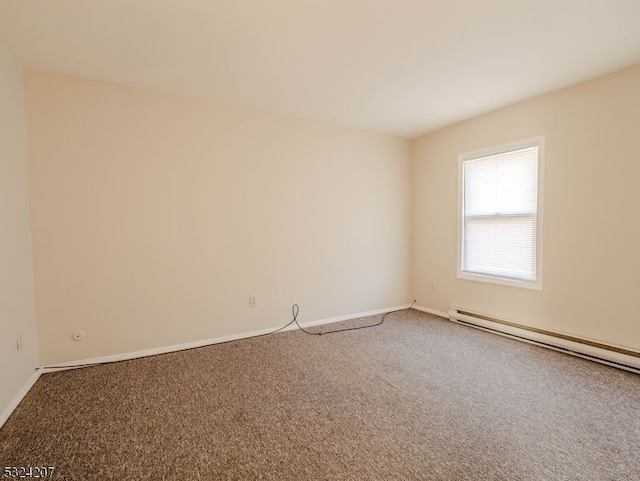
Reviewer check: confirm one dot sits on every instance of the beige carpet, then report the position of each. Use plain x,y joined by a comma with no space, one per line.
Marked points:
417,398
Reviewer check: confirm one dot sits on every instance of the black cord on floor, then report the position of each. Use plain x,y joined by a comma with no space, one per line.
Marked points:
295,309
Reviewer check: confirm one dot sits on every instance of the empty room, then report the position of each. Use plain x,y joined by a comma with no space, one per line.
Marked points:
319,240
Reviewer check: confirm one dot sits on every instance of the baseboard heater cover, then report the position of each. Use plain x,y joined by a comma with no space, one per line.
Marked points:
604,353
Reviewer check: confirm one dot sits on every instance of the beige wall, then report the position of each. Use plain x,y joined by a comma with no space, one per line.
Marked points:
16,272
155,216
591,232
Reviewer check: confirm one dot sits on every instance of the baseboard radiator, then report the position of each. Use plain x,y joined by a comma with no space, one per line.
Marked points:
603,353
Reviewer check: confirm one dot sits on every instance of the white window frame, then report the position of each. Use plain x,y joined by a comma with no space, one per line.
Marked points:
532,142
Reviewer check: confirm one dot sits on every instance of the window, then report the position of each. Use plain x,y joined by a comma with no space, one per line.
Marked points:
500,219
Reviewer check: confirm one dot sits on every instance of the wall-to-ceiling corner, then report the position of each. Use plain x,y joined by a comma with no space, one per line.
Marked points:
18,339
590,259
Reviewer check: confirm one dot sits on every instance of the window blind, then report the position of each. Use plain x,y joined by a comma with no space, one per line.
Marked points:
500,214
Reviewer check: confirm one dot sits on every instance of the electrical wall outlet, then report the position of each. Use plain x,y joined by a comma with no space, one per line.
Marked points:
253,301
19,342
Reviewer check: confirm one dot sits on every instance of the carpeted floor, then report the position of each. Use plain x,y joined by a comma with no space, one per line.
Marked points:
417,398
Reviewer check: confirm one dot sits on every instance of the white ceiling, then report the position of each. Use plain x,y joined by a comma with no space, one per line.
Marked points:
403,67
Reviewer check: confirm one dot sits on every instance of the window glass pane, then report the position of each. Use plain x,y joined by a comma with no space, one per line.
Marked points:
502,247
502,183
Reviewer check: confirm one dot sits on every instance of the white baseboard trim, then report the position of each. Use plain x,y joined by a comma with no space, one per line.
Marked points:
13,404
126,356
428,310
348,317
